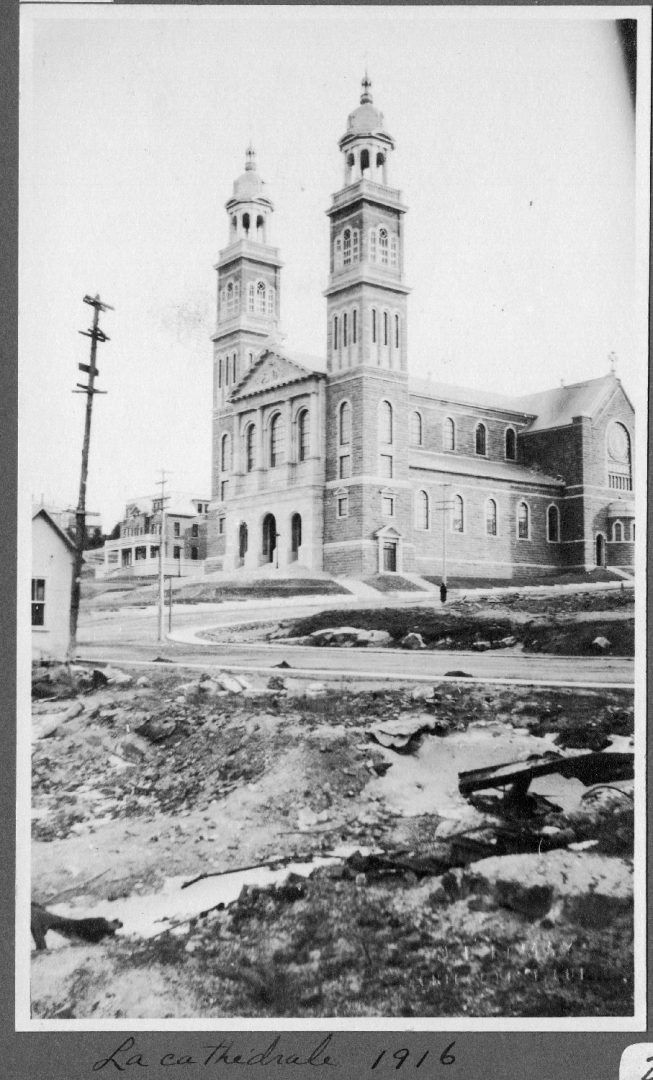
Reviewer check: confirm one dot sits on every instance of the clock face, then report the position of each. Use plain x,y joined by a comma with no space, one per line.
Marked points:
619,443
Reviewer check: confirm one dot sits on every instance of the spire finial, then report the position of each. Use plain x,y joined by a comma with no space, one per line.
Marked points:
250,159
366,83
612,357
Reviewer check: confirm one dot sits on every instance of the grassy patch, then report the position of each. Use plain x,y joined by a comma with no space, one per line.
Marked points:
388,583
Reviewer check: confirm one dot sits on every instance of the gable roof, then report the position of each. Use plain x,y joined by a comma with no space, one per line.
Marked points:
42,512
464,395
557,408
273,369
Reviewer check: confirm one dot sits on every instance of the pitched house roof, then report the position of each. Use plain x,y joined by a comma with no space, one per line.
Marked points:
556,408
42,512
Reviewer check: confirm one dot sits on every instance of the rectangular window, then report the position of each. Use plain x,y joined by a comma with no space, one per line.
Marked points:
176,552
343,506
353,326
385,462
223,490
221,526
388,505
38,601
195,531
154,552
344,466
193,553
176,529
140,553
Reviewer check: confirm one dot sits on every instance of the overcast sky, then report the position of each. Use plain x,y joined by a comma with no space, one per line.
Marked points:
515,153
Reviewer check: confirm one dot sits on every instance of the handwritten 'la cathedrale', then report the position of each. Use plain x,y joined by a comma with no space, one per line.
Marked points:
219,1053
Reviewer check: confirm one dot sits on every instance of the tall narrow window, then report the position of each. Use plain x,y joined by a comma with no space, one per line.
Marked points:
385,422
251,292
396,331
38,601
523,521
276,441
448,434
270,300
355,249
219,371
481,439
385,328
250,447
491,517
553,524
383,247
225,454
421,510
335,331
415,429
372,235
338,253
260,297
511,444
346,247
345,424
374,325
230,298
458,514
344,330
393,250
354,315
303,435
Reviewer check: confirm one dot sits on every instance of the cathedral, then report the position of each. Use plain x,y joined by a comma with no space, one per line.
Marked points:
352,466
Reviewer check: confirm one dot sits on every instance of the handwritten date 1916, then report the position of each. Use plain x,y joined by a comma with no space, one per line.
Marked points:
400,1057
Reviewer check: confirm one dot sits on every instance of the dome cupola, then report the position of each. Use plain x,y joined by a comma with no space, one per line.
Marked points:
249,205
366,143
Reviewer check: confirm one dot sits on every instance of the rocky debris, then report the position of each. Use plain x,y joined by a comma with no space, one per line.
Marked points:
275,682
47,723
401,733
156,728
580,887
348,637
412,641
481,646
601,644
117,678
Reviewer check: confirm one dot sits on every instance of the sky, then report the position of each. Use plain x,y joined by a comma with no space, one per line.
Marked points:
515,152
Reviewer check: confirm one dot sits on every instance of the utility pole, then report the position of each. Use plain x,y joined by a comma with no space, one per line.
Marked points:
95,335
162,540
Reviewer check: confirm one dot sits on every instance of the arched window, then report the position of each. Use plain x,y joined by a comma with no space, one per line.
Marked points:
617,532
491,517
335,331
250,447
303,435
225,453
415,429
385,422
276,441
458,514
365,161
396,331
421,510
344,434
246,224
385,328
344,330
448,434
619,457
523,521
260,297
511,444
260,227
346,247
355,246
481,439
338,253
383,247
553,524
374,325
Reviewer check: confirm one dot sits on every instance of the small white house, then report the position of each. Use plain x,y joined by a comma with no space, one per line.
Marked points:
53,555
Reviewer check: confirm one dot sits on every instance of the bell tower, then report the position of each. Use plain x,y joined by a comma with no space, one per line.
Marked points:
367,512
248,283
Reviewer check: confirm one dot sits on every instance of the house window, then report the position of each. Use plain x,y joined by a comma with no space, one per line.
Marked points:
38,601
448,434
553,524
415,429
385,466
343,506
154,552
511,444
276,441
303,435
458,514
176,552
385,422
491,517
617,532
388,505
176,529
421,510
195,530
344,466
250,447
345,424
193,553
481,439
523,521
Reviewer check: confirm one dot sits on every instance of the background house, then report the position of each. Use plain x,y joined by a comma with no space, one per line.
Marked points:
136,551
53,555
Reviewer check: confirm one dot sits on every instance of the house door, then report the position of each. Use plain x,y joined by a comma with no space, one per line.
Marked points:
390,555
269,537
296,534
600,550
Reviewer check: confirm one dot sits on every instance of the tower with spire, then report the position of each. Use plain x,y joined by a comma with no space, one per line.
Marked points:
367,390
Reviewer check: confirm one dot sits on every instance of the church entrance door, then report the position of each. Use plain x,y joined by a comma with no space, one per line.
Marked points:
600,550
269,538
390,555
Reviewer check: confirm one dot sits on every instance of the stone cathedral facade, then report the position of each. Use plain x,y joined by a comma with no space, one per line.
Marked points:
350,465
